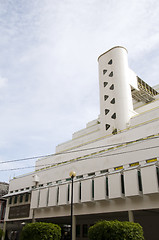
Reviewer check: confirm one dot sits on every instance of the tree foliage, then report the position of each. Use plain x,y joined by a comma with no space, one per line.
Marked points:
41,231
115,230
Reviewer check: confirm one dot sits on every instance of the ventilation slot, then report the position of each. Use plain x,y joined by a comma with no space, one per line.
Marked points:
111,74
104,71
113,116
110,62
105,97
107,126
106,111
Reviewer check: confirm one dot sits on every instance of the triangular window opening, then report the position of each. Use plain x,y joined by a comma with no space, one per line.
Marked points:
104,71
105,84
110,62
105,97
112,101
113,116
106,111
107,126
112,87
111,74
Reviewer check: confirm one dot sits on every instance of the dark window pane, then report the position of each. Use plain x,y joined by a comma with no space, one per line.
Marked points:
122,184
139,181
21,199
85,230
78,230
107,187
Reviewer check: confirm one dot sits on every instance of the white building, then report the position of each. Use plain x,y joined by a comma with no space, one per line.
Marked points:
115,159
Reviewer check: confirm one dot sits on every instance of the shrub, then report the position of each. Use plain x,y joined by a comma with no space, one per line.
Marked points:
41,231
115,230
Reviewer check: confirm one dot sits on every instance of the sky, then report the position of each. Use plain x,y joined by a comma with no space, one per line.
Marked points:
49,71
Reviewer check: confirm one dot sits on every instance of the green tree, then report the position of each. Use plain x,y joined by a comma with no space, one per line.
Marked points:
115,230
41,231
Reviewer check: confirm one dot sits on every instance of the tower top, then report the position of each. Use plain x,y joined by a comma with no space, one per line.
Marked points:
111,50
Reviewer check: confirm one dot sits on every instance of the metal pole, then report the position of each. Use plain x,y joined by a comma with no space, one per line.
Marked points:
72,206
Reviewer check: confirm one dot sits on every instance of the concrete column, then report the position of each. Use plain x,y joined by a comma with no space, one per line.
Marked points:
74,228
131,216
4,230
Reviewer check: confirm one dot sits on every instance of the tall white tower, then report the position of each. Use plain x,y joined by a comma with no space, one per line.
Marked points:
116,104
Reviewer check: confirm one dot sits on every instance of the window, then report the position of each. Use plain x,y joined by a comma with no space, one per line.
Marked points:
15,199
112,87
112,101
113,116
107,189
92,188
68,193
80,176
68,179
21,199
107,126
157,171
47,200
80,191
111,74
41,185
27,188
122,184
26,197
104,171
91,174
57,200
10,200
85,230
139,180
78,230
110,62
104,71
106,111
58,181
22,189
49,183
105,84
105,97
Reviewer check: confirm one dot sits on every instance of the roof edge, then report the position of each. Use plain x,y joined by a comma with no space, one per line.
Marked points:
110,50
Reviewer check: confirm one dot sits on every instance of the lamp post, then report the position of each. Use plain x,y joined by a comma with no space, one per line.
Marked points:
72,175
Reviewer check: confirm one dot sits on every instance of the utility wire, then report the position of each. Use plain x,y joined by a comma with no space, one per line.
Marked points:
73,151
81,159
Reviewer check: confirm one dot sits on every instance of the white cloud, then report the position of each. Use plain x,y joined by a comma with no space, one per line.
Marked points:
3,82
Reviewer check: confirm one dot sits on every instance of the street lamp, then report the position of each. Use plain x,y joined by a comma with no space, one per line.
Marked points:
72,175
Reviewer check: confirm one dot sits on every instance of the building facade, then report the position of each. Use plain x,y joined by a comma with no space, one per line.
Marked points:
115,159
3,191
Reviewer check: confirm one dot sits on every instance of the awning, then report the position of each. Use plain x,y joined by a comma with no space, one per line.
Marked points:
16,193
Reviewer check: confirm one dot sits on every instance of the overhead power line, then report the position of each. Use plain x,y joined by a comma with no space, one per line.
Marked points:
74,151
101,155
